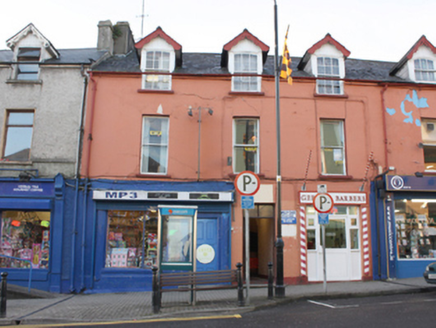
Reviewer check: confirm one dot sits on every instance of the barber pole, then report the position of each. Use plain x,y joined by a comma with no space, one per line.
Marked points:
303,242
365,241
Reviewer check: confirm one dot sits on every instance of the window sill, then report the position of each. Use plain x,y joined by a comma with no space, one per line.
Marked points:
335,177
233,175
328,95
155,91
15,81
149,176
2,161
246,93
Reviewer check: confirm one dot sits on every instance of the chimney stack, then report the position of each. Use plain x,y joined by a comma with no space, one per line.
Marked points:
105,36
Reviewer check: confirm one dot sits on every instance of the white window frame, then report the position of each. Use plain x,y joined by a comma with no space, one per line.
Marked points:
337,150
238,146
428,132
421,72
28,70
153,81
329,87
238,82
147,144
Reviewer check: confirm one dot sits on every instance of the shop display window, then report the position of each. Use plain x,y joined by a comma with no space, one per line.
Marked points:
25,235
415,221
131,239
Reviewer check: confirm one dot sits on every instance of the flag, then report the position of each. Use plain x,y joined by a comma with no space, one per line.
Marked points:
286,61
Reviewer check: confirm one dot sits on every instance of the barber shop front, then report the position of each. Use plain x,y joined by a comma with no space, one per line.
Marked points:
143,224
404,226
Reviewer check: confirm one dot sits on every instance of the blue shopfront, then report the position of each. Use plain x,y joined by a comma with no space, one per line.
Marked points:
135,225
32,227
403,225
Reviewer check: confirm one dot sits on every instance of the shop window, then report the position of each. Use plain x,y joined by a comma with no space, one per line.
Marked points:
157,61
246,145
428,133
332,147
311,239
154,145
354,239
335,233
416,228
25,239
18,136
131,239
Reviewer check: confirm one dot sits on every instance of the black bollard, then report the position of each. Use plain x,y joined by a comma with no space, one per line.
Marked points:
156,292
3,295
270,281
240,286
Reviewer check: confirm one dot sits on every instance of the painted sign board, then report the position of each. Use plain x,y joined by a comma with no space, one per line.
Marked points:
289,217
339,198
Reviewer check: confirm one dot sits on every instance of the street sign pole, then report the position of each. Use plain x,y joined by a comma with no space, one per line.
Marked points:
247,184
323,204
247,256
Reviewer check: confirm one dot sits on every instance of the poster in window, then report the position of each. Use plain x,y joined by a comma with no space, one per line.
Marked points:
337,155
178,240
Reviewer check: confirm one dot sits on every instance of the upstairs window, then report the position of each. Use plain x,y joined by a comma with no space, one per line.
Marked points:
246,64
246,145
424,70
428,131
332,147
28,63
18,136
157,61
154,145
328,67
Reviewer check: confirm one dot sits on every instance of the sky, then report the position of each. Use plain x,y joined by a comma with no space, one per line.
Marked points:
370,29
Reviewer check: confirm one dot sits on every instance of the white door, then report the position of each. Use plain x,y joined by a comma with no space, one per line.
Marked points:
343,257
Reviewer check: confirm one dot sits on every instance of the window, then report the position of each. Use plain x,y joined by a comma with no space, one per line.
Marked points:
332,147
154,145
19,128
328,67
246,145
130,235
424,70
25,235
246,64
28,63
428,131
415,223
157,61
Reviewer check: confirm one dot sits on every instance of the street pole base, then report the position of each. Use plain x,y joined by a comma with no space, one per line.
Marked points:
280,291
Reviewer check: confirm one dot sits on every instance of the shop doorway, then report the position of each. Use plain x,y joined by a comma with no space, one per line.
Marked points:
208,253
261,240
343,255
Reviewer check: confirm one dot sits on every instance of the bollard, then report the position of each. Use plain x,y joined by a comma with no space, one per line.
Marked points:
240,285
156,292
270,281
3,295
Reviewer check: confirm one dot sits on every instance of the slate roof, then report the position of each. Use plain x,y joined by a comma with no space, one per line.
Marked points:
67,56
210,64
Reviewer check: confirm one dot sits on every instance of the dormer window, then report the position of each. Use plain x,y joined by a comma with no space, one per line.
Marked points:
328,67
157,61
424,70
28,63
246,64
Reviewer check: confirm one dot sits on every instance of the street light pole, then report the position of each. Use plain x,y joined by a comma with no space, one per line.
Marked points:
280,288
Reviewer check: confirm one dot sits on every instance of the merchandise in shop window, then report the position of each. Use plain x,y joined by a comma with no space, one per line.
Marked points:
25,235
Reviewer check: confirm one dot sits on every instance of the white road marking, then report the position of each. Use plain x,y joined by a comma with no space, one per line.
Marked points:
334,306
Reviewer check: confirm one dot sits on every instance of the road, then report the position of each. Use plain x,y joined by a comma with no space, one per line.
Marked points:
411,310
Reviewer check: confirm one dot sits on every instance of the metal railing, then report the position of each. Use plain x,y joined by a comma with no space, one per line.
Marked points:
30,267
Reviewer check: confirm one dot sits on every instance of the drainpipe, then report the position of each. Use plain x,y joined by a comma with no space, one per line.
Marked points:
77,177
385,133
378,220
91,121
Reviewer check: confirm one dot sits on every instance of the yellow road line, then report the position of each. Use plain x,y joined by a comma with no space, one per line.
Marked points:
233,316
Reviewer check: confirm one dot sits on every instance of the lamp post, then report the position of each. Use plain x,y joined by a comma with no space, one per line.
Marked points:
280,288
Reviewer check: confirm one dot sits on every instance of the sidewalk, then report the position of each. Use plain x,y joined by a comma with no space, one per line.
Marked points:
137,306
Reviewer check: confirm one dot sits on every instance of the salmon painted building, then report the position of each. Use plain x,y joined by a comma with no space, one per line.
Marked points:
166,133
